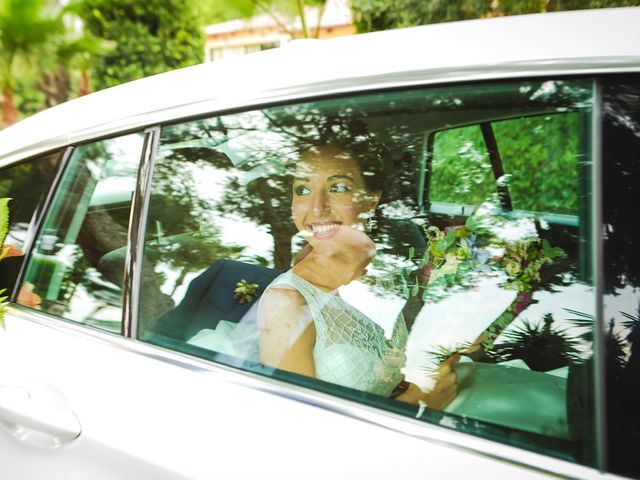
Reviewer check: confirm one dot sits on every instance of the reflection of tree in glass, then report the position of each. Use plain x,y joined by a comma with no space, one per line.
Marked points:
190,252
181,234
621,134
541,346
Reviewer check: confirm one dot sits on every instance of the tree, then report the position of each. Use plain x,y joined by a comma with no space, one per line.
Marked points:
374,15
78,53
28,28
151,37
283,12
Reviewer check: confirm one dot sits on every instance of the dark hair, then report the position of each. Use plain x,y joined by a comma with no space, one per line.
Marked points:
354,137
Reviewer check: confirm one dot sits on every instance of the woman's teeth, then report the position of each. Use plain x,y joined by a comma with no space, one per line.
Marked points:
324,228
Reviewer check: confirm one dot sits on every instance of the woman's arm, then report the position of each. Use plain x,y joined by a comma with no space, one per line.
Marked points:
287,332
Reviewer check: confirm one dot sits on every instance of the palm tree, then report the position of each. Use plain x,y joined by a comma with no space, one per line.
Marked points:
27,29
78,54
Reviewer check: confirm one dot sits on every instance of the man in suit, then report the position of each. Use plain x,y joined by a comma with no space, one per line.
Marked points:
211,297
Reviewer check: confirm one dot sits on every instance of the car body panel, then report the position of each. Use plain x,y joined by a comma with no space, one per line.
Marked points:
147,413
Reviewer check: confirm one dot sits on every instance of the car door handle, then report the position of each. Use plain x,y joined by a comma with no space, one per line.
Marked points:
35,414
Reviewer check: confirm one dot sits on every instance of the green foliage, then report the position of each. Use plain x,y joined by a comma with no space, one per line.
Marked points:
4,221
373,15
27,27
4,228
151,37
29,99
40,52
282,11
461,168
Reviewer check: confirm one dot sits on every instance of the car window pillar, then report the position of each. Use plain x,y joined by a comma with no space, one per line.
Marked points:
135,235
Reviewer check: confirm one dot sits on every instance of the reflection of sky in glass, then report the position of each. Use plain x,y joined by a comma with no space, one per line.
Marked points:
625,300
210,183
463,316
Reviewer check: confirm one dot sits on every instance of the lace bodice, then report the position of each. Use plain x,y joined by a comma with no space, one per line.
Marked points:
350,349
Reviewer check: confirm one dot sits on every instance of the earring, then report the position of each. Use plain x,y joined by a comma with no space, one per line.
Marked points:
371,223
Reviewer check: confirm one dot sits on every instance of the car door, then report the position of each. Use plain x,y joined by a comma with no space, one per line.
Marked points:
79,400
89,388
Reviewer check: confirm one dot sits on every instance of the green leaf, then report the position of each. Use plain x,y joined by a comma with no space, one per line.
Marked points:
415,290
412,252
450,238
472,223
4,218
442,245
425,259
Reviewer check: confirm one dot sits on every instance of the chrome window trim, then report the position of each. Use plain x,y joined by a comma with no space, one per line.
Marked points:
597,233
135,234
429,432
38,217
343,86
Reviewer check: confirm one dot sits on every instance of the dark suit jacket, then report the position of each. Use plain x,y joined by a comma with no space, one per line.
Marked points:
210,298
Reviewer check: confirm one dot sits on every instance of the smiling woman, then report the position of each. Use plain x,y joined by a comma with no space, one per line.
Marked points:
305,326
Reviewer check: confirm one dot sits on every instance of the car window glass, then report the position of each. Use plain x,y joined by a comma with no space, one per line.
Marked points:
76,269
452,149
467,164
26,184
621,177
386,226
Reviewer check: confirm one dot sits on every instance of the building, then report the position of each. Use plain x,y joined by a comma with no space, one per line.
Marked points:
265,31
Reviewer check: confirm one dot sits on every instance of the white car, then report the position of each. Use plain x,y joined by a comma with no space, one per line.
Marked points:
148,219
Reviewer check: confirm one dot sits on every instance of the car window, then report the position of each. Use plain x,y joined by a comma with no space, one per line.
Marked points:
533,165
26,184
77,265
350,243
621,177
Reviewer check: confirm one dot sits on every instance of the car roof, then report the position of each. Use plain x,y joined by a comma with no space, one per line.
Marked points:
589,41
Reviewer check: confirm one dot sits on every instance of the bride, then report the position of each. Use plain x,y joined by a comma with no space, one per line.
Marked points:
304,325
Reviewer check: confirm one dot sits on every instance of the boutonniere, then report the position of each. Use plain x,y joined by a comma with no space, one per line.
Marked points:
245,292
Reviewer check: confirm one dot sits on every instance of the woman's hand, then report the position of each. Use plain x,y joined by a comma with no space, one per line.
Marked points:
337,260
444,391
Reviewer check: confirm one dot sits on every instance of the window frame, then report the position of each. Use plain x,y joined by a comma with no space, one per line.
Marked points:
318,386
66,156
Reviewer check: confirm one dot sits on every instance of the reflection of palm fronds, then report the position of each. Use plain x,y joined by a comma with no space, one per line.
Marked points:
440,354
615,344
616,356
584,320
542,347
633,324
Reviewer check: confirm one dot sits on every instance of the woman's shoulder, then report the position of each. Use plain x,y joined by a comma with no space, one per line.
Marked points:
283,293
281,298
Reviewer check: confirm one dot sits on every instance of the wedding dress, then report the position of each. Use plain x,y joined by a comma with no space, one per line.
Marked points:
350,349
